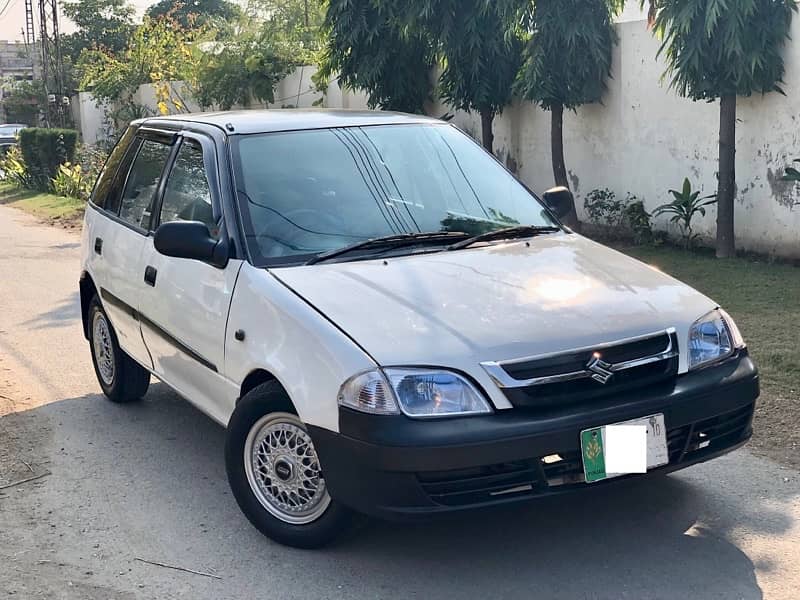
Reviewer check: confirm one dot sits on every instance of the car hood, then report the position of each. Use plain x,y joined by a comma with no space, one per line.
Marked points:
456,309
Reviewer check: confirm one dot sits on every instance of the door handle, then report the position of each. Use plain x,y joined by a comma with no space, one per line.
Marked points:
98,246
150,276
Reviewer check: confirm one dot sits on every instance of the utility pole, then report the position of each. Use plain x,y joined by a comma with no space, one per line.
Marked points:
30,29
52,63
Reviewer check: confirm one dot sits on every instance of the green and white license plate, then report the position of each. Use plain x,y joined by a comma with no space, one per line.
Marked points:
593,450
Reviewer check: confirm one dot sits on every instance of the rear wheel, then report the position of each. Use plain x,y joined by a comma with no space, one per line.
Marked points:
275,473
121,378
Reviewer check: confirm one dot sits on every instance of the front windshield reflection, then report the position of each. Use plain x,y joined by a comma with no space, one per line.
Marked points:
308,192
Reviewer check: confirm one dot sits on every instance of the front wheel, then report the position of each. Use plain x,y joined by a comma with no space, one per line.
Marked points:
275,473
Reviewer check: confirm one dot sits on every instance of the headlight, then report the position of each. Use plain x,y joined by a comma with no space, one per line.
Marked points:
416,392
713,337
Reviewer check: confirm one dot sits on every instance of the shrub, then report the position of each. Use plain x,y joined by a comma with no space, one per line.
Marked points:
44,150
685,205
13,169
637,220
619,218
603,208
71,180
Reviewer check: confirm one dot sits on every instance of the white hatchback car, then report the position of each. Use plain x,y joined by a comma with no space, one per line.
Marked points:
387,322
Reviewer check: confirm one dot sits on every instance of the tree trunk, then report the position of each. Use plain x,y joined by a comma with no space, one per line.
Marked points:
726,243
557,153
487,117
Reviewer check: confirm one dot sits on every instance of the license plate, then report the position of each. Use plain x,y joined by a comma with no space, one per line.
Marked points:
593,449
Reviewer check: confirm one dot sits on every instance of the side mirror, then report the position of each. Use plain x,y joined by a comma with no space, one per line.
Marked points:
559,200
192,240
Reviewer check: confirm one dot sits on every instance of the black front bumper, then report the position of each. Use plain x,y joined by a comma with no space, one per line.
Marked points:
393,466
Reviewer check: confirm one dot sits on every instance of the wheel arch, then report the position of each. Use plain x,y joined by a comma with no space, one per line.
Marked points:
87,291
258,377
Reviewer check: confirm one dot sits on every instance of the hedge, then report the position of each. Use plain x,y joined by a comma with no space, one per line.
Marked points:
43,150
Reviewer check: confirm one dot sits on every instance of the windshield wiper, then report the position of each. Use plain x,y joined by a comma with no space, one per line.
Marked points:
390,242
507,233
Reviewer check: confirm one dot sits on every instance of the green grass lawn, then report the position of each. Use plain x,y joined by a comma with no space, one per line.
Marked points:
764,300
43,205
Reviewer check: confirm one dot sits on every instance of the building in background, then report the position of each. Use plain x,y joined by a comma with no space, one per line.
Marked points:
19,64
18,61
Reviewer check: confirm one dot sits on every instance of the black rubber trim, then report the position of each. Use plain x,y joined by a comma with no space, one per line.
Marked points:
155,328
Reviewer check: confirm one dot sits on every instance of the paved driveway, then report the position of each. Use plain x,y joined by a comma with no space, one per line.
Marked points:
147,481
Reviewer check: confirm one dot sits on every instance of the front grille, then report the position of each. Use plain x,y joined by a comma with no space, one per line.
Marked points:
570,362
561,470
567,378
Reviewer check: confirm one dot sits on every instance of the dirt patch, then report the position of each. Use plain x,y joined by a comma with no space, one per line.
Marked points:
776,434
23,436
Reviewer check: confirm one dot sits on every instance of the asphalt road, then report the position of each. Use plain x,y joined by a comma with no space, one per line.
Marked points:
122,483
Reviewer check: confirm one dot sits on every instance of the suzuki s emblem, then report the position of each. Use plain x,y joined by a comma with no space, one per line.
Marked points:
601,370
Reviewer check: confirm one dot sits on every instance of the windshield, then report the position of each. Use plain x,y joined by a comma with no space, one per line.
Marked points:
307,192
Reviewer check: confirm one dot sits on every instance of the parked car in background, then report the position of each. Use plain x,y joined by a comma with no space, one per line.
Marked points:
9,133
387,321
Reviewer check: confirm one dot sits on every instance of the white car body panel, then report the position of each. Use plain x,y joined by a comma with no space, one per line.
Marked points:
308,355
116,270
511,300
190,303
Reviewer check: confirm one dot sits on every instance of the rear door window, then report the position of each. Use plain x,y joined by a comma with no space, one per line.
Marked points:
105,195
142,185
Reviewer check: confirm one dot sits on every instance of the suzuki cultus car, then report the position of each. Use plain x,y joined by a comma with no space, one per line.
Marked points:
387,322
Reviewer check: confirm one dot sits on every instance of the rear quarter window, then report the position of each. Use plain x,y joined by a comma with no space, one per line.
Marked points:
105,182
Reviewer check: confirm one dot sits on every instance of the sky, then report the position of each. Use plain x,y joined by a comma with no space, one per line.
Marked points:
12,20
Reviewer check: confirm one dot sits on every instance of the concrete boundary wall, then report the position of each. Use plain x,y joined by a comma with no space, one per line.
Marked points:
643,139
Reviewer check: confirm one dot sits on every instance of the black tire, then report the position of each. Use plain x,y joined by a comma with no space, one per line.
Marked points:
129,381
269,400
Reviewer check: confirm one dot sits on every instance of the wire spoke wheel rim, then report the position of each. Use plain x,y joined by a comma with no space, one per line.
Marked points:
283,469
103,348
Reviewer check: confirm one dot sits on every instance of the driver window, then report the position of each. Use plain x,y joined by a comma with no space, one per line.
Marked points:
187,196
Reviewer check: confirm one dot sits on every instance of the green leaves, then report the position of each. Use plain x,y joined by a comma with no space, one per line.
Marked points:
371,47
790,173
568,56
683,208
481,48
715,48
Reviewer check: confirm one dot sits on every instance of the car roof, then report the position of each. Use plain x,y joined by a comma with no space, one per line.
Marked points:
292,119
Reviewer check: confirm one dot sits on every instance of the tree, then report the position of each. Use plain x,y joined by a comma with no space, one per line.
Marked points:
293,21
159,52
101,24
241,68
480,45
370,50
195,13
720,49
567,60
22,101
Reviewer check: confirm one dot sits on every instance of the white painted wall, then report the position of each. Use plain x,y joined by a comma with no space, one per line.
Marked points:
644,139
89,116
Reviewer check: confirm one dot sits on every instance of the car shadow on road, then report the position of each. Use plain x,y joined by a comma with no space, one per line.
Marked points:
66,312
659,538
